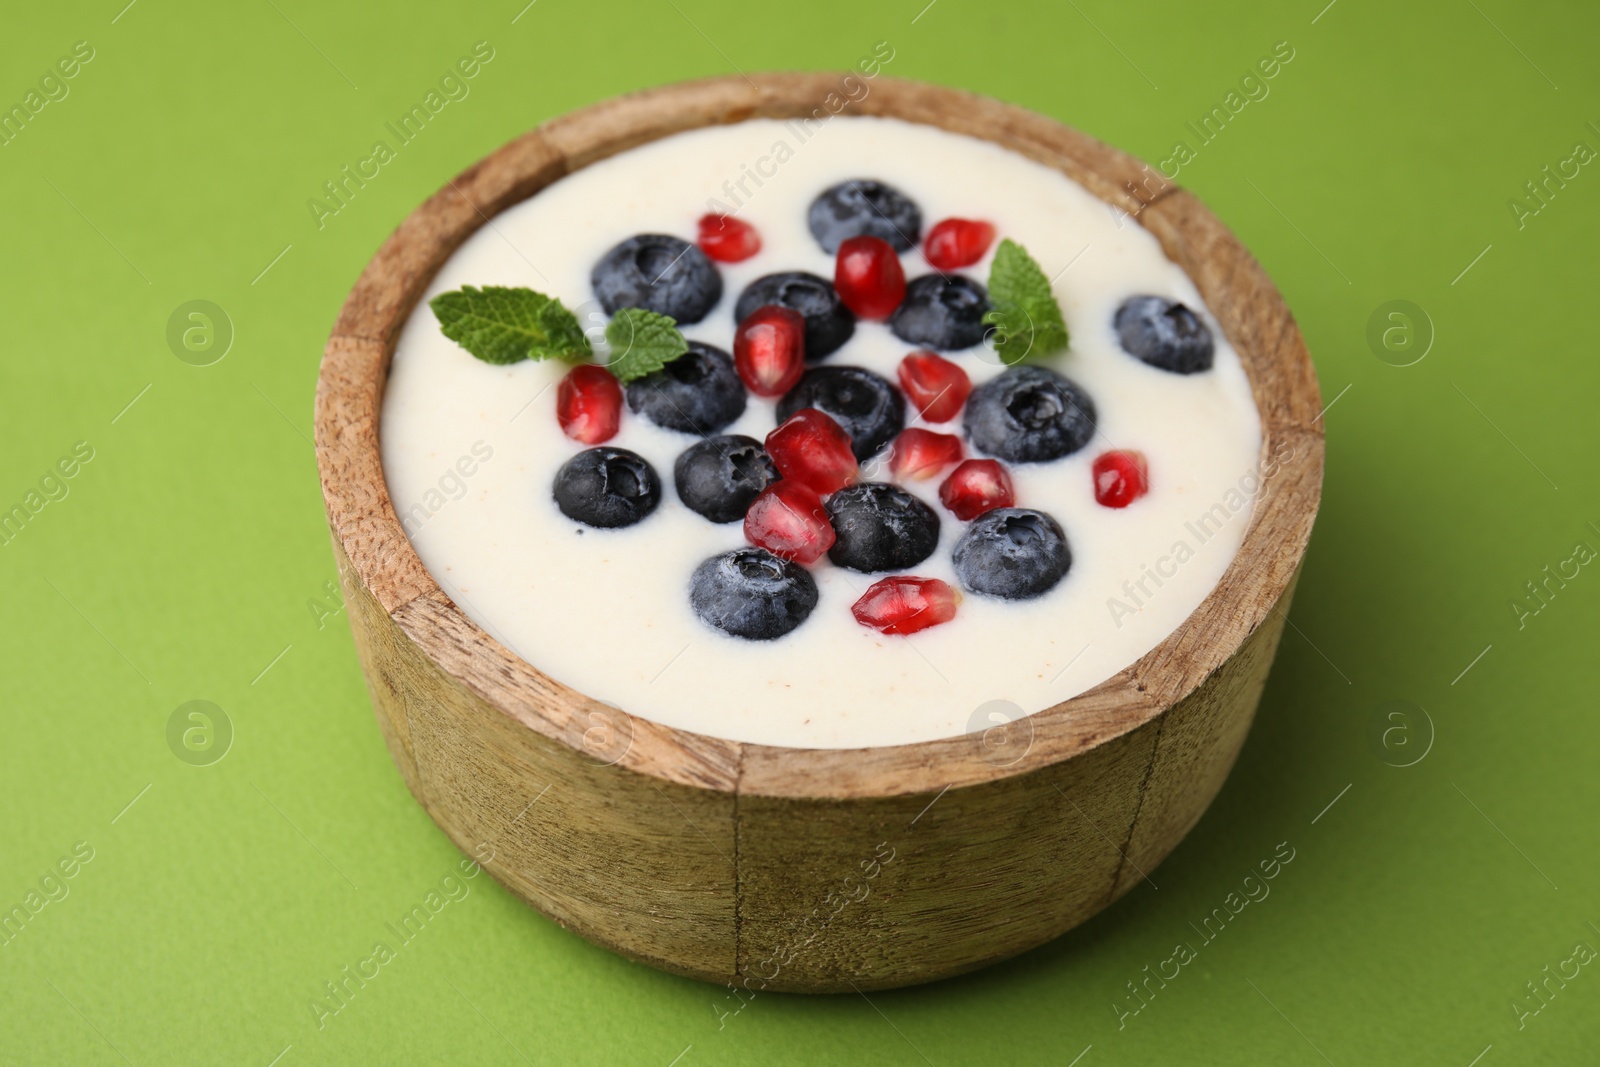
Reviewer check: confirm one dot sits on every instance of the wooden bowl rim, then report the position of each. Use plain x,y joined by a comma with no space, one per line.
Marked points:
363,521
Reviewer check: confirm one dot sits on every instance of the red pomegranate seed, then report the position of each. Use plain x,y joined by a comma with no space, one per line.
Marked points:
869,278
957,243
904,605
788,520
935,385
589,404
922,454
977,486
812,449
727,239
769,350
1120,478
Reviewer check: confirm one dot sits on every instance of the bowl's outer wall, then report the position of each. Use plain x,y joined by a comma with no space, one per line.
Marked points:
780,868
786,893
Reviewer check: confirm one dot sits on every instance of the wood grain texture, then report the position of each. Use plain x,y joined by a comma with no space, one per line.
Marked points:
797,869
1195,744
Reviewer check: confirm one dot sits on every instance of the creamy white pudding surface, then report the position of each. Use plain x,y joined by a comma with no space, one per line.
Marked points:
470,451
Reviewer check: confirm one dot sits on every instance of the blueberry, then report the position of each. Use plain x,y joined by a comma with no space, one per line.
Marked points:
880,527
870,409
699,392
863,206
829,324
1164,333
1012,553
1029,415
720,476
658,273
943,311
751,593
607,487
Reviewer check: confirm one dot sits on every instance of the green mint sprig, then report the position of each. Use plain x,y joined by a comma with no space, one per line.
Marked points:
1025,312
642,342
503,325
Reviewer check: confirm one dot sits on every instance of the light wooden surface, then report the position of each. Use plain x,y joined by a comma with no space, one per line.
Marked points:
796,869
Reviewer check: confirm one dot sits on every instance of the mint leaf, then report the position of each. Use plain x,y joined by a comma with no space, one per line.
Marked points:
642,342
1025,313
500,325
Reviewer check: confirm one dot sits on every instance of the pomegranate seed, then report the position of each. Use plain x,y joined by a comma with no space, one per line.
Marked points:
923,454
727,239
812,449
904,605
589,404
935,385
957,243
788,520
869,278
769,350
1120,478
977,486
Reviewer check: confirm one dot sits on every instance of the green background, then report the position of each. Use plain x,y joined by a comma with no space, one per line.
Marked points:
181,564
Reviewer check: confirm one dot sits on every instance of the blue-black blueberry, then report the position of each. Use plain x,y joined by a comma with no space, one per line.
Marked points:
866,405
607,487
880,527
1012,553
829,324
720,477
751,593
659,273
863,206
1029,415
1164,333
699,392
942,311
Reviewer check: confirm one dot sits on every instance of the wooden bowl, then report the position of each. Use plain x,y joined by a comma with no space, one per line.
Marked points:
809,869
